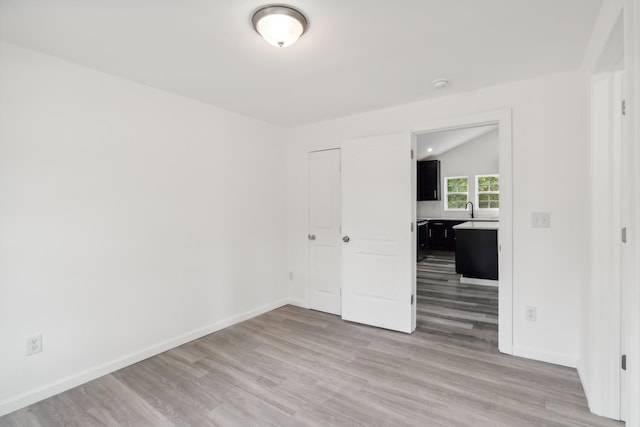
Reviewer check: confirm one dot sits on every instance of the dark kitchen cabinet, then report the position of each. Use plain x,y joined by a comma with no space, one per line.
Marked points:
477,253
422,240
450,234
436,231
441,234
428,173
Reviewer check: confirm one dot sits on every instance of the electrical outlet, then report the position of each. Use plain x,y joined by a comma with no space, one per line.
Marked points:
34,344
531,314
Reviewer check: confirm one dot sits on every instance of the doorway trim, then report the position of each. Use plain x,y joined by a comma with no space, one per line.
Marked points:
502,118
608,288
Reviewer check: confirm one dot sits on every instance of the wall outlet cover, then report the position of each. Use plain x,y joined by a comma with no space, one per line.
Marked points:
531,314
34,344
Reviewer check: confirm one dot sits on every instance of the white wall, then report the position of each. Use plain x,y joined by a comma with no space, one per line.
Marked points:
131,220
550,169
480,156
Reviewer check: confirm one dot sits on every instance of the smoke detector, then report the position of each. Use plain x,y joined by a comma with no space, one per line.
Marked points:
440,83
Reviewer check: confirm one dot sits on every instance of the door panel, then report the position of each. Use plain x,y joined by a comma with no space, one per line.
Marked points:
379,281
377,214
373,200
325,256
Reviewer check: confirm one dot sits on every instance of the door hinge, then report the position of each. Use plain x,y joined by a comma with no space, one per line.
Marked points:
412,226
624,235
340,291
624,362
411,154
411,299
624,107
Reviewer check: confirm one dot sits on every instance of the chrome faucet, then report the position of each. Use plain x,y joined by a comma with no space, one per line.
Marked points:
465,207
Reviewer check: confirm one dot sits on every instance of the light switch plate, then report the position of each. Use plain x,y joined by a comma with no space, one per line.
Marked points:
541,220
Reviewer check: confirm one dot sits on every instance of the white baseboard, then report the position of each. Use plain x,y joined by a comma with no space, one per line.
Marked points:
584,380
87,375
555,358
297,302
481,282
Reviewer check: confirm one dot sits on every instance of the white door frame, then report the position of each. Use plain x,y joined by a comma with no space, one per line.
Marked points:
631,10
505,236
602,382
604,295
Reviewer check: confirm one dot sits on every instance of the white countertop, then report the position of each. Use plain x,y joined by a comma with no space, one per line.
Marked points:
478,225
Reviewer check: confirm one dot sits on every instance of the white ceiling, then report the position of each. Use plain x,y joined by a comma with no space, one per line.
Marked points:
442,141
357,55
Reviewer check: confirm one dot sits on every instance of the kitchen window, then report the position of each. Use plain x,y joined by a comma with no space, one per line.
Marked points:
456,193
488,192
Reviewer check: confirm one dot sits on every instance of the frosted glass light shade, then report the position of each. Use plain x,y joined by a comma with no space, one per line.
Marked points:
280,26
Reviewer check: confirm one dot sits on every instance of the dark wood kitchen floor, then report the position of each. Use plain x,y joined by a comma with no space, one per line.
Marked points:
447,307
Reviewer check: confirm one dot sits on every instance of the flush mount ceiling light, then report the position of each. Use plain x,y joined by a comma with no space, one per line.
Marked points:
440,83
279,25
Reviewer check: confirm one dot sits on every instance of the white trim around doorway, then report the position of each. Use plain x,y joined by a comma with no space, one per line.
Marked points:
502,118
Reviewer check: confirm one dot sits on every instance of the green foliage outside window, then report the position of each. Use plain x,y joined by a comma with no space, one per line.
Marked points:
457,192
457,185
488,189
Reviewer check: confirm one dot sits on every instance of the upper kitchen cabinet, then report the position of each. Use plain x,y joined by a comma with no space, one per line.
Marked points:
428,173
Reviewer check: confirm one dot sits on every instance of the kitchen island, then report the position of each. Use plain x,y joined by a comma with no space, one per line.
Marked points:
477,250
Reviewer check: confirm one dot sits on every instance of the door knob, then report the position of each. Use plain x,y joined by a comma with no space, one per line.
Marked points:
312,237
345,239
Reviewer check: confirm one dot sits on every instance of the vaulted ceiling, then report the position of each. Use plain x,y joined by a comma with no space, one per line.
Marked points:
433,144
357,55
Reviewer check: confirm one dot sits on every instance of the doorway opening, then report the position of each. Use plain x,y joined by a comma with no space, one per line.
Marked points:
464,238
457,212
376,232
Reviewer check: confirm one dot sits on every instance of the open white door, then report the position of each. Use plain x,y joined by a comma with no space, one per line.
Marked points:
325,245
377,228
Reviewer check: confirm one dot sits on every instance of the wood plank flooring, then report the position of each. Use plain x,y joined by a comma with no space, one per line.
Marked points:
297,367
447,307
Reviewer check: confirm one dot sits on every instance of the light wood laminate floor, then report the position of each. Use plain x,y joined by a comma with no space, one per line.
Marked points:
297,367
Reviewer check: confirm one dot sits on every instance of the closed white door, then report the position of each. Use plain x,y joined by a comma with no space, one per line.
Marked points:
324,231
377,214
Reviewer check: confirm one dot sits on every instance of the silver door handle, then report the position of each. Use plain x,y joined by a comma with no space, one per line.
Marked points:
434,193
445,233
312,237
345,239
